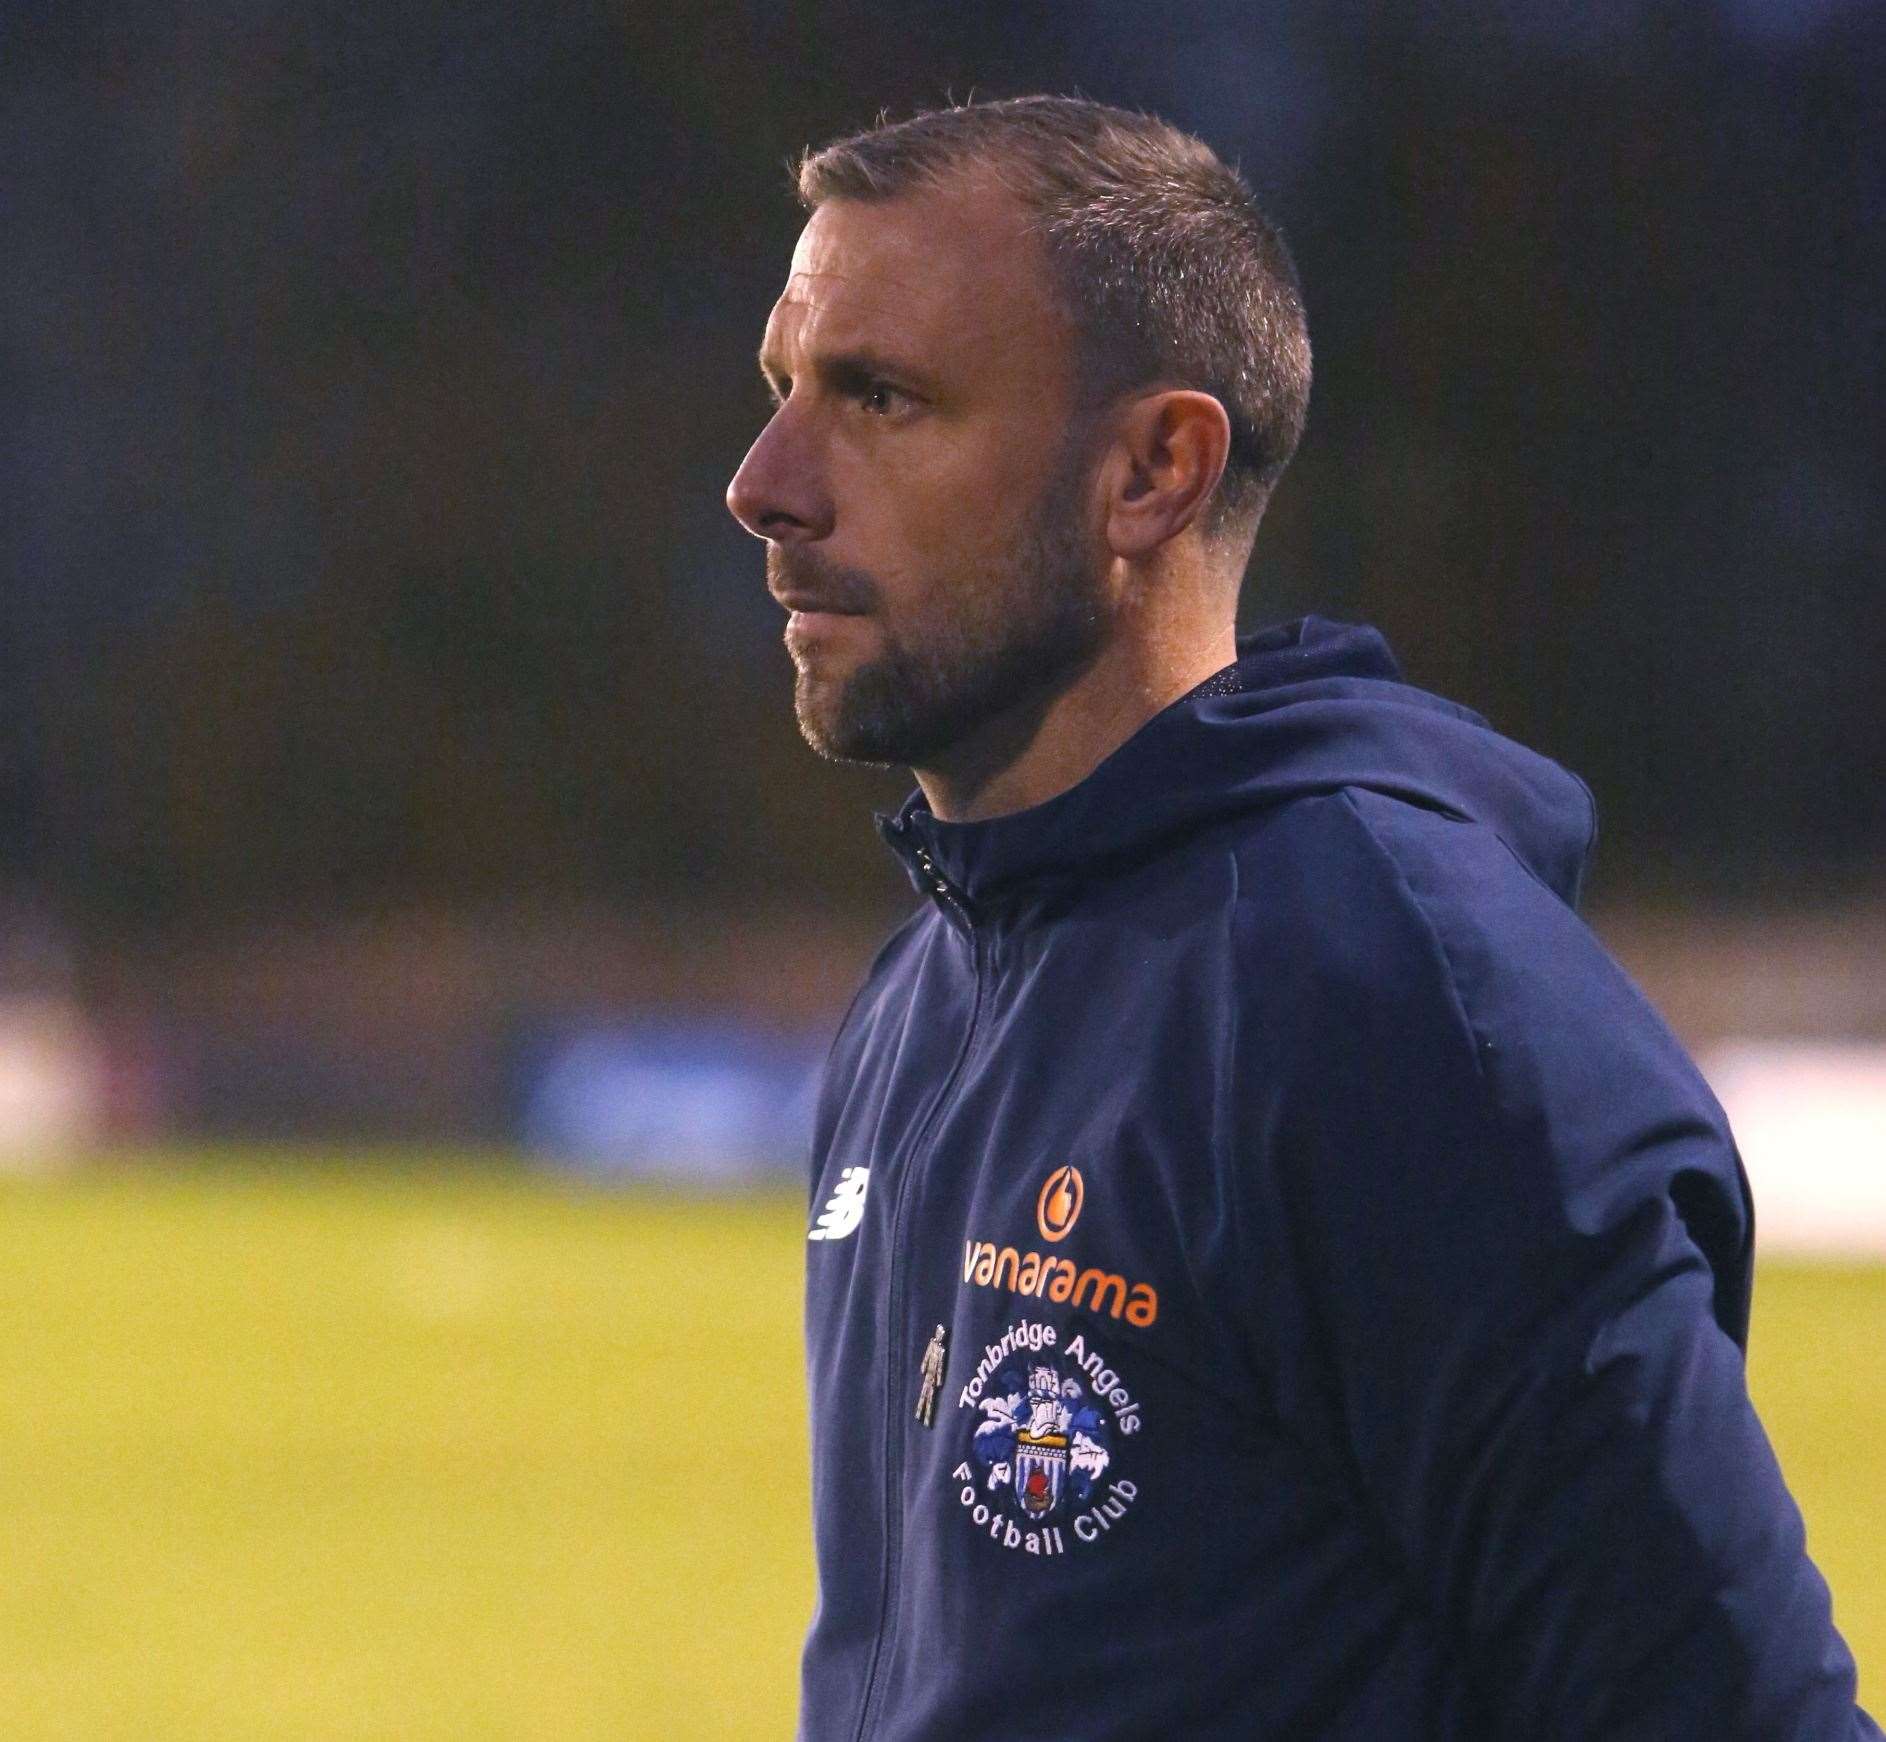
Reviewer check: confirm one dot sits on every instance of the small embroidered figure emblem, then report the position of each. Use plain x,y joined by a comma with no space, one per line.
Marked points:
931,1376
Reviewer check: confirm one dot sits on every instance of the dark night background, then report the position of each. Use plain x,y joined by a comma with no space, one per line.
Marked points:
372,376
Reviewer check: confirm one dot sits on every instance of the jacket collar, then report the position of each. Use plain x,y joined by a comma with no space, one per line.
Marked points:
1309,707
1107,813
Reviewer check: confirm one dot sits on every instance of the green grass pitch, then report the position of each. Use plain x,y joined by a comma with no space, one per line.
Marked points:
445,1454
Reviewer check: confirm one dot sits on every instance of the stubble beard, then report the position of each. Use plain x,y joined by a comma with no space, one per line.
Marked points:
1017,630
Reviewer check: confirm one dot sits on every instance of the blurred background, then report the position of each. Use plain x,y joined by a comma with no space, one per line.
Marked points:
419,917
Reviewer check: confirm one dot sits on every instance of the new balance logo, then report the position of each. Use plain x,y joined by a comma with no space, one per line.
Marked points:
844,1209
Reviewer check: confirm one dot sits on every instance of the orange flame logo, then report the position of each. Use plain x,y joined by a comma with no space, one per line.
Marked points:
1059,1206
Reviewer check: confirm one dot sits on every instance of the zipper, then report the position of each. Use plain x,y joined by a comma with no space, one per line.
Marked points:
894,1367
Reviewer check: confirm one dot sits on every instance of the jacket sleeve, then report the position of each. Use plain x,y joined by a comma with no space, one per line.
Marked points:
1518,1242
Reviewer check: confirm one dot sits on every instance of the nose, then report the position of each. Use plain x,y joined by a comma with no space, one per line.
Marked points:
780,492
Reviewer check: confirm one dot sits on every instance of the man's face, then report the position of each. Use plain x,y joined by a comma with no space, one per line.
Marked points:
920,482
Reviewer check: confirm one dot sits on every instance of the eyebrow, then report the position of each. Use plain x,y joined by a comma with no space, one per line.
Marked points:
855,367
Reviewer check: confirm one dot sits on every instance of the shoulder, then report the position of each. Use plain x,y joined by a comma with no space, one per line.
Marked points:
1406,946
1374,913
1348,892
1340,963
1360,888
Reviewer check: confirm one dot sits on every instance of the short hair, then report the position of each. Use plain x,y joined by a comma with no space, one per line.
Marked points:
1160,253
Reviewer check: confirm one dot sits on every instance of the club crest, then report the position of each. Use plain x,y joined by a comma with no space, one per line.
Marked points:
1044,1425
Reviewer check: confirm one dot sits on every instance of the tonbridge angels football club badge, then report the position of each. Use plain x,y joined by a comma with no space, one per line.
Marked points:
1042,1446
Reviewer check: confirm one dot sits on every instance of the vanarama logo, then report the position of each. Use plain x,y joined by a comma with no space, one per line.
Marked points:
1059,1279
1060,1202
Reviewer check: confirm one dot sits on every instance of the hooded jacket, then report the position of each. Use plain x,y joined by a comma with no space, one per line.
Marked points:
1271,1274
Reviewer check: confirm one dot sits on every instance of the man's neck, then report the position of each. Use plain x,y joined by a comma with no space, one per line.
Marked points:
1039,750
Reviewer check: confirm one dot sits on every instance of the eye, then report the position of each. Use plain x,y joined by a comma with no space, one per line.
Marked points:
879,398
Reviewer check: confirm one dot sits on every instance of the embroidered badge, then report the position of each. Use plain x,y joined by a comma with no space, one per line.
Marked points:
844,1209
1043,1442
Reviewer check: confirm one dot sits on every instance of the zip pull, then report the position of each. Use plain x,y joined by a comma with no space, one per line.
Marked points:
930,1376
941,884
938,881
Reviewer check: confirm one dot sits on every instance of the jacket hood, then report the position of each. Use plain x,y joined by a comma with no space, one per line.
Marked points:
1310,707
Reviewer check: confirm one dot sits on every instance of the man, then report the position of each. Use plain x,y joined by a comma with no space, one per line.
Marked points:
1338,1273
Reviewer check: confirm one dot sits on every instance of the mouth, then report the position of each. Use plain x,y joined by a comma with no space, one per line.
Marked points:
814,605
818,632
805,628
814,619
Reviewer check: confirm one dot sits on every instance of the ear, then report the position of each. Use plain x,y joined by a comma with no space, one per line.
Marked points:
1168,453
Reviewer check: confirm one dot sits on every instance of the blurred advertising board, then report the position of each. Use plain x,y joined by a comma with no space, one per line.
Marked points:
707,1103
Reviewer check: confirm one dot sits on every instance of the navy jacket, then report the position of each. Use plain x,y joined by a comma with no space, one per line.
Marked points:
1272,1275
